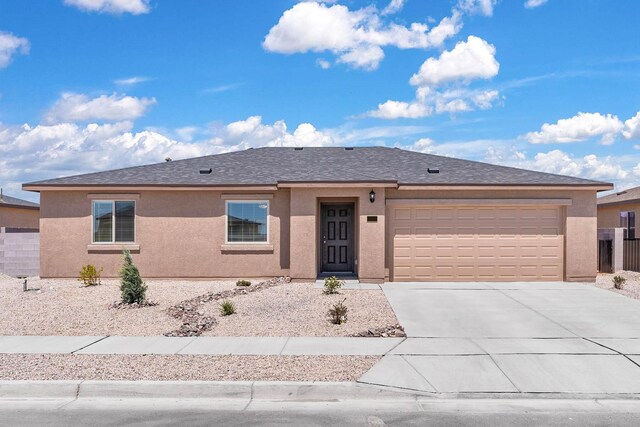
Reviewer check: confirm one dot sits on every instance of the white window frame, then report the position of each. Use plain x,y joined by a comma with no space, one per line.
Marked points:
226,222
113,221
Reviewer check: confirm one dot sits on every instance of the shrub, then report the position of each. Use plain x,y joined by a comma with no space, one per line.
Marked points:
338,313
618,282
242,282
132,288
90,275
227,307
331,285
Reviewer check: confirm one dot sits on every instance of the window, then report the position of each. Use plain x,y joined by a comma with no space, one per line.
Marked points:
628,222
247,221
114,221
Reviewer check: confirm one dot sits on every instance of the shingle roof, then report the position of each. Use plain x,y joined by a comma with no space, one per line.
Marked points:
270,166
626,196
15,202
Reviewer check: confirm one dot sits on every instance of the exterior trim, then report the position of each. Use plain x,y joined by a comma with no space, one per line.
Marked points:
329,184
109,247
246,247
162,187
114,196
10,205
240,196
603,187
483,202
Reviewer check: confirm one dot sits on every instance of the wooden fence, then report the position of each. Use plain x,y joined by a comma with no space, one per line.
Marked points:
605,256
631,255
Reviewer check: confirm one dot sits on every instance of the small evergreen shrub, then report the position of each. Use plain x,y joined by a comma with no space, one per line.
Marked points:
227,307
332,285
132,288
618,282
338,313
90,275
243,282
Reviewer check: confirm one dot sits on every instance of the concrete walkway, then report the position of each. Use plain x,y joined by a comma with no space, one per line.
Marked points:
512,338
292,346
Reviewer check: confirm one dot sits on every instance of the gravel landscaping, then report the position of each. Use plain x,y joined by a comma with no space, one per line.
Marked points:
631,287
299,309
183,367
63,307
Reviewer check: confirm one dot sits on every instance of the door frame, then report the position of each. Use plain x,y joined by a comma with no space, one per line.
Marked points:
337,201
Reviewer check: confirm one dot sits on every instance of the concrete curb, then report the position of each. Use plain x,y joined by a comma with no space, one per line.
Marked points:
213,390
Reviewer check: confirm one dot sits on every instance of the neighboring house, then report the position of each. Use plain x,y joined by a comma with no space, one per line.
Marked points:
620,210
19,247
379,213
18,213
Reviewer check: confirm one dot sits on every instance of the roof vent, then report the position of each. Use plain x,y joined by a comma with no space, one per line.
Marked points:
205,171
298,148
621,193
433,170
348,148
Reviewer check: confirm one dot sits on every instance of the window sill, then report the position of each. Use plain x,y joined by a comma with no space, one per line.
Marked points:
246,247
110,247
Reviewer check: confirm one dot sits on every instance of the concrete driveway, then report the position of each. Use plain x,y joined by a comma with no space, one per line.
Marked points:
512,338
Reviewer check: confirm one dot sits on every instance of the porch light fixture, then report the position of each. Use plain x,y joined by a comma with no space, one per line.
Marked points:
372,196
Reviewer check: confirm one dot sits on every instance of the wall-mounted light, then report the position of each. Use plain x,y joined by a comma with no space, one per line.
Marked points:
372,196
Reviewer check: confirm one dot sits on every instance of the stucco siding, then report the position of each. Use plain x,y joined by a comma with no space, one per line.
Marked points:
179,233
11,217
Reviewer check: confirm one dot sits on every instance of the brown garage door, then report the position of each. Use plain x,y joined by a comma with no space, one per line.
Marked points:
477,243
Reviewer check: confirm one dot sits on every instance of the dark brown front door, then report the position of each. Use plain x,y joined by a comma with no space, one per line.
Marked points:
337,238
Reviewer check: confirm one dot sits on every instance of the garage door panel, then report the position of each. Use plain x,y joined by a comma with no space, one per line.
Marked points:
479,243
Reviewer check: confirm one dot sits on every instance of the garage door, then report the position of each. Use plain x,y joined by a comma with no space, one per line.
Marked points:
477,243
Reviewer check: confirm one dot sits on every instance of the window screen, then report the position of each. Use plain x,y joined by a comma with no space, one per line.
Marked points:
247,221
113,221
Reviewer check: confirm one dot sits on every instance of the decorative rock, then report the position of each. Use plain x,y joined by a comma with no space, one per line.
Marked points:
392,331
194,323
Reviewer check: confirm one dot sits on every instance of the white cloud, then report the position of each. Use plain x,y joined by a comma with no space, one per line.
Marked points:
356,37
394,6
580,127
632,127
323,63
399,109
116,7
79,107
131,81
482,7
11,45
222,88
29,153
470,60
423,145
531,4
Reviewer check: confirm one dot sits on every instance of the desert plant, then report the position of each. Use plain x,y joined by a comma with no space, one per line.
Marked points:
618,282
332,285
227,307
338,313
243,282
90,275
132,288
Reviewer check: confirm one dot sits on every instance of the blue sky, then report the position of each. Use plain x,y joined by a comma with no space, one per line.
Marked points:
89,85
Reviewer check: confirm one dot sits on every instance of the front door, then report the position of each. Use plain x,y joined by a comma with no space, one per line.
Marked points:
338,238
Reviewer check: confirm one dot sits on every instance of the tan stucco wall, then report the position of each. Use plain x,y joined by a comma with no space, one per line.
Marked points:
370,236
609,216
580,225
19,218
180,234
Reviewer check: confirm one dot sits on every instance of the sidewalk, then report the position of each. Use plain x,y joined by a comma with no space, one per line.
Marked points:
237,346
